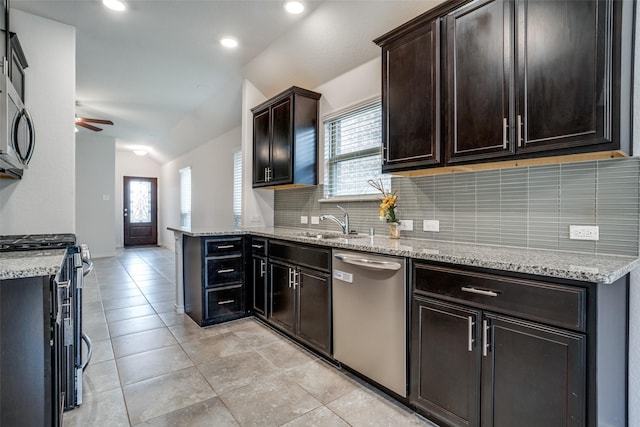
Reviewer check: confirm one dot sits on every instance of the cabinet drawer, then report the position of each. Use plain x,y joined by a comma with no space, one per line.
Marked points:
220,247
308,256
222,270
259,246
225,301
563,306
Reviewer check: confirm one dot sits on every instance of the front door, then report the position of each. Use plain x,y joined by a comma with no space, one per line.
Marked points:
140,211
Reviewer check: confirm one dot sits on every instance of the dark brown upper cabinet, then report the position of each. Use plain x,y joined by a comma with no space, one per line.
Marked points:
411,96
529,77
491,80
285,140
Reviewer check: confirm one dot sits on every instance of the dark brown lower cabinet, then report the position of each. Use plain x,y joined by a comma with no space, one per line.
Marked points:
300,296
477,368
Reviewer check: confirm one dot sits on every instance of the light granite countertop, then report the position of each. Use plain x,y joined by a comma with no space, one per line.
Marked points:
601,269
22,264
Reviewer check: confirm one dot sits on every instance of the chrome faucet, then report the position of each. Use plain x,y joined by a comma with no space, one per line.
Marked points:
344,223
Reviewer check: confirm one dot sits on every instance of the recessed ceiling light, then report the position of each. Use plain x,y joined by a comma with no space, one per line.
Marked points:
229,42
114,5
294,7
140,152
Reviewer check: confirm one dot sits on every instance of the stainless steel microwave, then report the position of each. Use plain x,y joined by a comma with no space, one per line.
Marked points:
17,133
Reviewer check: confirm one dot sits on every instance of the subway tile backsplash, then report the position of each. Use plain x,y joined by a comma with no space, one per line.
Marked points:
529,207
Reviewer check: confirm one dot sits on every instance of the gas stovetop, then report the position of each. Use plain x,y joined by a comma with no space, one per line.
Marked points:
32,242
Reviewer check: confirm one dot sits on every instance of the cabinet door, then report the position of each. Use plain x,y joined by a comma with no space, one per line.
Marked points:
223,302
314,309
281,142
479,89
411,99
532,375
261,146
445,366
564,91
282,296
259,281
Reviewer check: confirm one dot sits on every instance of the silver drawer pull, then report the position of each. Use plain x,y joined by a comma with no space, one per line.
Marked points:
479,291
257,246
227,301
470,324
228,270
224,247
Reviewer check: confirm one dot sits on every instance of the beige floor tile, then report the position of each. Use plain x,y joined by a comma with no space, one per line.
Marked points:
131,326
237,370
285,355
153,363
164,306
113,293
102,350
320,417
129,312
210,413
112,304
139,342
100,377
324,382
270,402
99,410
161,395
96,332
161,296
206,349
172,318
257,335
362,408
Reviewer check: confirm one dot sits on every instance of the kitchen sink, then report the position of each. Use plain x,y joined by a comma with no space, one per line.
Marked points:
328,236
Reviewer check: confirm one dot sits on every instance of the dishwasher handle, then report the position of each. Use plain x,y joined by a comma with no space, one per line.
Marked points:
369,263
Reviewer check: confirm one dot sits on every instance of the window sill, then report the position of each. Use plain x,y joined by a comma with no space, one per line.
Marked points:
364,198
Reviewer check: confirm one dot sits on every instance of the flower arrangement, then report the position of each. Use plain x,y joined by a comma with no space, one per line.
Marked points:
388,203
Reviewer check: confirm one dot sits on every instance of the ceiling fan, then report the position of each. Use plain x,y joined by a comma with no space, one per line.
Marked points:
84,122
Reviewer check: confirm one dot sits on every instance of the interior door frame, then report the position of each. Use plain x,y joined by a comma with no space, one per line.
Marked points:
126,238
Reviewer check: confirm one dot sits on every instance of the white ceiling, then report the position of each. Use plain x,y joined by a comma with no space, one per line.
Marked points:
158,67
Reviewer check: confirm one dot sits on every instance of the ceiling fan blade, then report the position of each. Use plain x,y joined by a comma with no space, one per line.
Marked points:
88,126
100,121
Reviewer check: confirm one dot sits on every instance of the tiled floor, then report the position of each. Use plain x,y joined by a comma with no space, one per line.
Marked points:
154,367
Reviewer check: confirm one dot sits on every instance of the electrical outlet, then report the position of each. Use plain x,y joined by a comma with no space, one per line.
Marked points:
584,232
315,220
406,224
304,220
431,225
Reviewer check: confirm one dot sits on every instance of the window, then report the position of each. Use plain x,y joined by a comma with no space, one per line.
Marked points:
237,188
185,197
353,152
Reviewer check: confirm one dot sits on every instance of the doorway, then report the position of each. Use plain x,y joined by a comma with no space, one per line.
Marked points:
140,211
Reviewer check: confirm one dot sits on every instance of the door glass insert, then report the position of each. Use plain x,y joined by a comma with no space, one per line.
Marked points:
140,201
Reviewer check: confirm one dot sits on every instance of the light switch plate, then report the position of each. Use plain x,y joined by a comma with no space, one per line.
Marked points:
315,220
431,225
106,197
406,224
304,220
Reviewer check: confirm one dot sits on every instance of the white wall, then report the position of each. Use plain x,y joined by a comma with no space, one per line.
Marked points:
129,164
95,193
44,200
211,186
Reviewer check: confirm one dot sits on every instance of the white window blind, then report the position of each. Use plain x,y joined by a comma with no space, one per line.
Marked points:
185,197
353,152
237,188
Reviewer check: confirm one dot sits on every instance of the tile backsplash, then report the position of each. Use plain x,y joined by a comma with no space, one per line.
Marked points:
528,207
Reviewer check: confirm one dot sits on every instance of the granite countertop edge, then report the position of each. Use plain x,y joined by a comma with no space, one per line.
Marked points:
600,269
24,264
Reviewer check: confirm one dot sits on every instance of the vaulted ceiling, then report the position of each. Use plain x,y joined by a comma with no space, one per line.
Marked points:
158,66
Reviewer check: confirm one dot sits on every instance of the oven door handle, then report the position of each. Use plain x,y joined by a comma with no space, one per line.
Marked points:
89,269
86,259
87,341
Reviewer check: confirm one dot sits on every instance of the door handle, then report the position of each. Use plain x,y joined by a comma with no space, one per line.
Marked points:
263,269
519,130
470,327
505,130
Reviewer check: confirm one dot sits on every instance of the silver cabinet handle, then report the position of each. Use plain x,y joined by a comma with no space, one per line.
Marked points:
296,279
227,270
519,130
505,129
369,263
257,246
479,291
224,247
290,277
485,339
263,268
227,301
470,327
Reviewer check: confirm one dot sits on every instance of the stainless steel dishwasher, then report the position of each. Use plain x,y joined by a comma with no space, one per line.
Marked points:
370,315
